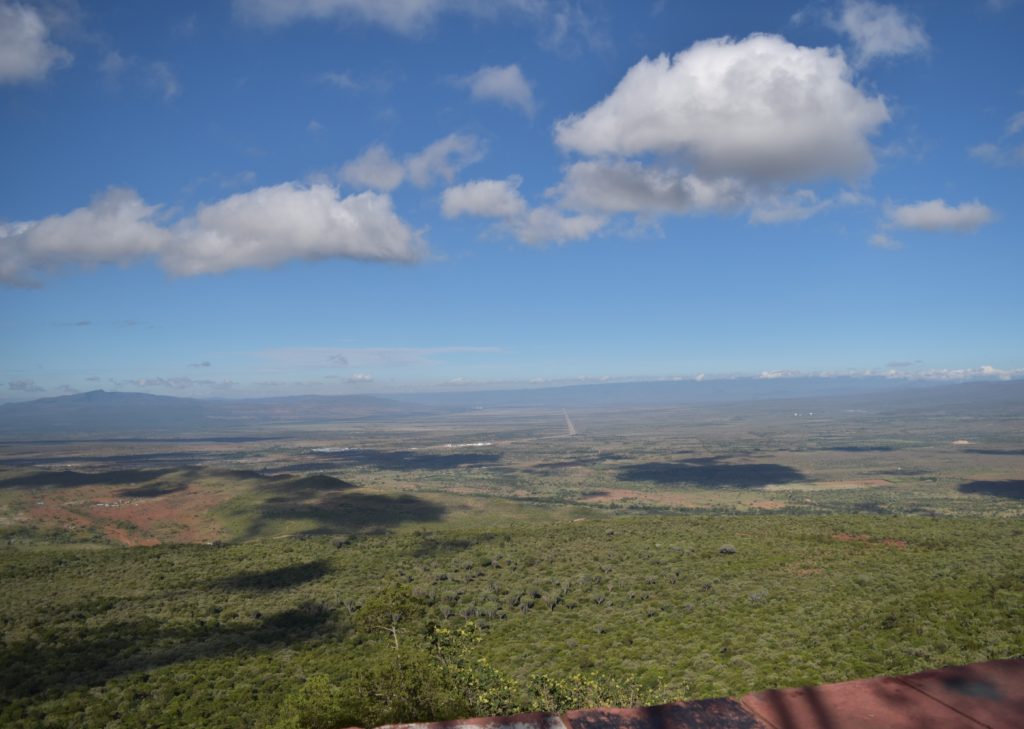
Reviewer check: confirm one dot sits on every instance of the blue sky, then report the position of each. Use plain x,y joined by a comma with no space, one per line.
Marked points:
267,197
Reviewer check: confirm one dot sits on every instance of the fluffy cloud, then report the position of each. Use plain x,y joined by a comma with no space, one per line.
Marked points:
264,227
116,227
761,109
375,169
26,53
500,199
271,225
443,159
485,198
723,126
504,84
936,215
625,186
547,225
879,31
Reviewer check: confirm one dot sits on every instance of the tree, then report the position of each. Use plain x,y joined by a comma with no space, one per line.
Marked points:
392,610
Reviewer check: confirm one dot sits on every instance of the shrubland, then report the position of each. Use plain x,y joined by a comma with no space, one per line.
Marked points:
438,620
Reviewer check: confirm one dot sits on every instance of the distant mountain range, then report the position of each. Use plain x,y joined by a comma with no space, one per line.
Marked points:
131,413
100,413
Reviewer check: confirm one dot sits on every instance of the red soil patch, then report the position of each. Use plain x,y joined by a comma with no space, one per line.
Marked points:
55,514
182,516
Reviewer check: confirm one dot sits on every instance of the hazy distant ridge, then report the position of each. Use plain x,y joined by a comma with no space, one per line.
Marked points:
131,413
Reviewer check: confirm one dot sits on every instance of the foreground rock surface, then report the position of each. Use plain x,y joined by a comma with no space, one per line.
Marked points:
966,697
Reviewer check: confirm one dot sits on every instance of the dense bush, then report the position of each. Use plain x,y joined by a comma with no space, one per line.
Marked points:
296,632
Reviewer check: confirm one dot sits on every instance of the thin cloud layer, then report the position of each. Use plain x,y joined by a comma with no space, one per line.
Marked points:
408,17
155,75
1010,150
504,84
879,31
365,357
264,227
444,159
762,109
883,240
26,52
937,215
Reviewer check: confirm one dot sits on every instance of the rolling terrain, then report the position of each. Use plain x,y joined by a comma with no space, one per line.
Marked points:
167,571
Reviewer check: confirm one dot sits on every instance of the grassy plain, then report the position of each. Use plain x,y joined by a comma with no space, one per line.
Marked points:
865,543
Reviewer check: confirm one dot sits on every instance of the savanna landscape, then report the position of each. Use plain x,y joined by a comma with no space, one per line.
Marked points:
374,362
284,575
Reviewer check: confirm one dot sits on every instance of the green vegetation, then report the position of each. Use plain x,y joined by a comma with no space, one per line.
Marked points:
280,631
483,562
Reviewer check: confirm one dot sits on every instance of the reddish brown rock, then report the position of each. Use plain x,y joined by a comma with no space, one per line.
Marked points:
991,693
516,721
875,703
706,714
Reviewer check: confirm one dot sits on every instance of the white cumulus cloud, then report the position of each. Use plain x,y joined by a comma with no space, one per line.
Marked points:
500,199
879,31
26,52
761,108
263,227
549,225
504,84
270,225
937,215
115,228
375,169
616,186
485,198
